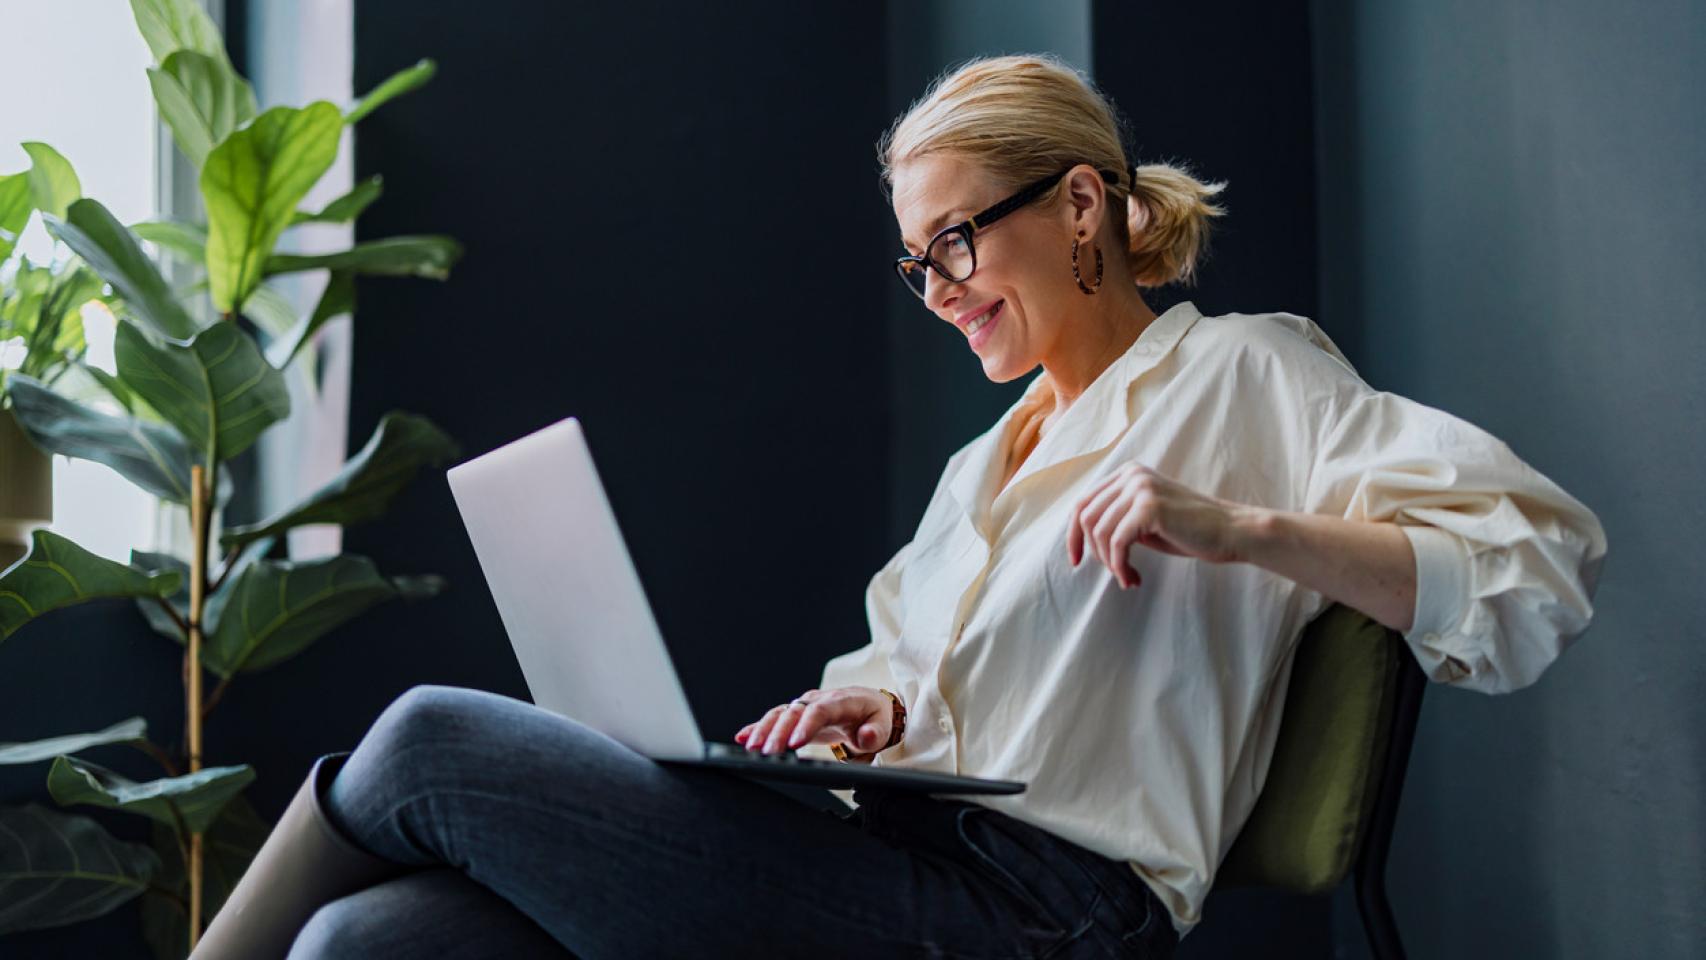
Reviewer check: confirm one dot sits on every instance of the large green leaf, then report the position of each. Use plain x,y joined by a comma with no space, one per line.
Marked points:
157,618
53,184
279,607
124,731
14,210
336,300
252,183
112,251
423,256
271,311
399,83
59,868
217,601
114,387
202,99
345,208
197,797
58,573
162,622
218,388
172,25
228,847
186,241
153,456
147,454
363,489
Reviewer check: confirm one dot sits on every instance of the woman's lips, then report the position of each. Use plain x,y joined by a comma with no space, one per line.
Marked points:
983,333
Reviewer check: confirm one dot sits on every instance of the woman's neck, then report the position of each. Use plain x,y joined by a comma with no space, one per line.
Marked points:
1089,343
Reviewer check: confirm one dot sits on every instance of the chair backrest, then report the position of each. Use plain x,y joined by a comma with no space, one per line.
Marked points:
1318,802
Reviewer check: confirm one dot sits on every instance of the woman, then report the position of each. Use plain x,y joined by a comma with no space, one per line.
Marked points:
1226,478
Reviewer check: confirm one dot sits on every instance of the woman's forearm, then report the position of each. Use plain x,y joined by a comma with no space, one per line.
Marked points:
1366,566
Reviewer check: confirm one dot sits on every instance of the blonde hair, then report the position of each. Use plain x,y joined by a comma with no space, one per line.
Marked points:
1023,117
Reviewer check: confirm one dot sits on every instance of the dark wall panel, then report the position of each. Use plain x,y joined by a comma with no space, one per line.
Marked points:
941,399
1225,89
665,208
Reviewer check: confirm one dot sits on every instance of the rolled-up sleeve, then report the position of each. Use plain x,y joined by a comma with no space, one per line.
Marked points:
1506,561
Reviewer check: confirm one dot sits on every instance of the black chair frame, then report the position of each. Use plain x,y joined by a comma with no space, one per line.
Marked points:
1370,866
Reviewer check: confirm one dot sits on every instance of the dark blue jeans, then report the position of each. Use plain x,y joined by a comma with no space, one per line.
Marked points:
536,836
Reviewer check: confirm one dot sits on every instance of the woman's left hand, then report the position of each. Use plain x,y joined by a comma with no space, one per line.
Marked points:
1137,505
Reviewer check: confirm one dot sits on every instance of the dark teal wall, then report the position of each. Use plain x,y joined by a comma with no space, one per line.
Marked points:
939,398
1225,90
1513,228
672,233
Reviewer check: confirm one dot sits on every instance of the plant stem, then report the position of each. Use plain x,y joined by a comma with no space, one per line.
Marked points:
225,569
182,830
172,612
202,483
158,753
171,895
213,701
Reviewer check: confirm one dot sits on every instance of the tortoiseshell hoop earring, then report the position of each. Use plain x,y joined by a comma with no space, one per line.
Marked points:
1088,291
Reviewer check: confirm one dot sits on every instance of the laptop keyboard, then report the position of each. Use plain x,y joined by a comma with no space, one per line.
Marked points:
720,751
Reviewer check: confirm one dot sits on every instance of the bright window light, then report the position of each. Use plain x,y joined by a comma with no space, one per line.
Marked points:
96,110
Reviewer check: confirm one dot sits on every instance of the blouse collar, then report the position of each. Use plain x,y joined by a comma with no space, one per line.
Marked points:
1098,418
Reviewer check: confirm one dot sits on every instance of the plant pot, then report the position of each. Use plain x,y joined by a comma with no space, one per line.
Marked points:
26,490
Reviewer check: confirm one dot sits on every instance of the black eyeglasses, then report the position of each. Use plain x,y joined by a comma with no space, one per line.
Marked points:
951,252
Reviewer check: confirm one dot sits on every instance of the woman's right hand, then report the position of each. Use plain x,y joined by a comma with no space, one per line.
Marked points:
860,717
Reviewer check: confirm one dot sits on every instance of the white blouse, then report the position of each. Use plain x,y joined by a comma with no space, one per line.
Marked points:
1143,720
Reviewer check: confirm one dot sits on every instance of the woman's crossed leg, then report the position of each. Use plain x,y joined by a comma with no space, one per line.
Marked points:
567,843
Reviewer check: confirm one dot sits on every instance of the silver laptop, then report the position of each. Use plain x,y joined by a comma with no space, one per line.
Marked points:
582,630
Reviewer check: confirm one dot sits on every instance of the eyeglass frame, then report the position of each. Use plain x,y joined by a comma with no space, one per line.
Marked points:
982,220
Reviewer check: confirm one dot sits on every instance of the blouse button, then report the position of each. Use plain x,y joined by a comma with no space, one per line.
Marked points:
945,724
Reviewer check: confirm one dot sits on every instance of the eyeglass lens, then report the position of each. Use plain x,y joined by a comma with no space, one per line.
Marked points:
951,254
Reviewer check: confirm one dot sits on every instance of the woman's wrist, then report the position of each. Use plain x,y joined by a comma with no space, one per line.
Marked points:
1253,532
897,732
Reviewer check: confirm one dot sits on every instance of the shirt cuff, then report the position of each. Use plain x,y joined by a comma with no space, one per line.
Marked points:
1442,599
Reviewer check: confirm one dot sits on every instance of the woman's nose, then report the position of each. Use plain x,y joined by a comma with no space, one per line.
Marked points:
939,293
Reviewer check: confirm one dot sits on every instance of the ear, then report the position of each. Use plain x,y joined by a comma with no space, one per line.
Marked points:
1086,200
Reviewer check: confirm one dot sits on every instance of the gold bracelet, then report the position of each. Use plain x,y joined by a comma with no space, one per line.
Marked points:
897,730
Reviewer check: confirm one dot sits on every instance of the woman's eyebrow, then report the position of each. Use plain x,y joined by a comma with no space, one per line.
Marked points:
938,223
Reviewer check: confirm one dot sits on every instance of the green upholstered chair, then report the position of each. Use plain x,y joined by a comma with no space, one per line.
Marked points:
1332,791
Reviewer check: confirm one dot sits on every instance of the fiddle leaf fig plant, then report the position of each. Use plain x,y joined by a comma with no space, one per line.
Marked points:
191,394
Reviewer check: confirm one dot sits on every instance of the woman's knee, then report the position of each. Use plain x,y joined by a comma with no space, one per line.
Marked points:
428,714
435,736
436,912
423,736
340,928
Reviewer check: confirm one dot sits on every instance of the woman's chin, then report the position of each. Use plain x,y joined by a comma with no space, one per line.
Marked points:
999,368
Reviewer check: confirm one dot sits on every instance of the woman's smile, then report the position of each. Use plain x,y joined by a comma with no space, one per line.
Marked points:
981,328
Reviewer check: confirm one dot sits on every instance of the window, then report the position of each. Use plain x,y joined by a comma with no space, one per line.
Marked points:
100,114
96,109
